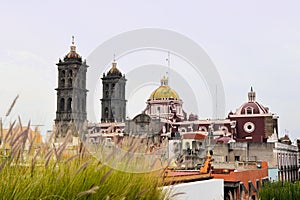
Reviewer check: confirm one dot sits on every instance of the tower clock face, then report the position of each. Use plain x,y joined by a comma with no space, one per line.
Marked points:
249,127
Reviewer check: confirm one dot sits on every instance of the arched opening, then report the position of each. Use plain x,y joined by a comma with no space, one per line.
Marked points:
69,105
249,110
62,104
62,82
106,112
70,82
63,73
70,73
113,112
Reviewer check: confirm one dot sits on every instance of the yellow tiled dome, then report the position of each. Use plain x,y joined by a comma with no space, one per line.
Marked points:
164,91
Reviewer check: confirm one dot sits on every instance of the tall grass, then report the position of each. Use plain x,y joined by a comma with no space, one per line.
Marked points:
280,191
42,172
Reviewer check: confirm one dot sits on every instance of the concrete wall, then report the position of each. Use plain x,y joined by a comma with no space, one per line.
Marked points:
273,174
208,189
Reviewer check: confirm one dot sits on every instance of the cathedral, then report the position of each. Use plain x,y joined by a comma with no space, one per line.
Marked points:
252,122
248,134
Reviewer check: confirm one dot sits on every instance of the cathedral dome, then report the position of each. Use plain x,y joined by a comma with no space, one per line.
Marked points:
114,71
164,91
252,106
73,54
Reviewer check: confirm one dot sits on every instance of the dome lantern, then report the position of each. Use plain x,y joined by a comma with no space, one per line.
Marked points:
251,96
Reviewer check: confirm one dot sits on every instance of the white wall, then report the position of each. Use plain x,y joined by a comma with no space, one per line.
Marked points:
212,189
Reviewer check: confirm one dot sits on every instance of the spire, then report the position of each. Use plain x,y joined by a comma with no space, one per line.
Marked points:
251,95
164,81
73,54
73,47
114,63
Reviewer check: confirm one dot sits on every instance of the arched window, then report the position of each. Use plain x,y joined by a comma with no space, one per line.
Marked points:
249,110
113,111
70,73
63,73
62,104
69,105
62,82
70,82
106,112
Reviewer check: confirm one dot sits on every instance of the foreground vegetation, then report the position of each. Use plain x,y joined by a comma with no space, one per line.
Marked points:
31,171
280,191
76,179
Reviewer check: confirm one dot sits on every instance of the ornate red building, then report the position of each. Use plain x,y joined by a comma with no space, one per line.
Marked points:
254,123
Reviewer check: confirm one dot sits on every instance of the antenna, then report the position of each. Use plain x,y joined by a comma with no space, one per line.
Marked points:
169,66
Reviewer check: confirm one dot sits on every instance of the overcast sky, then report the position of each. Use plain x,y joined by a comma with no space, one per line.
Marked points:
251,43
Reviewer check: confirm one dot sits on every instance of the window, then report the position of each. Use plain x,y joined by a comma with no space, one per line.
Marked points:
249,110
70,73
187,145
62,104
70,82
106,112
237,158
69,106
62,82
63,73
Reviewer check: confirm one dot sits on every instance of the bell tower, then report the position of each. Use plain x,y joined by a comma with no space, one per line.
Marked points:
71,93
113,103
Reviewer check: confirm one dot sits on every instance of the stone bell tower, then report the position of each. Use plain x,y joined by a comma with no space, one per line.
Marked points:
113,101
71,93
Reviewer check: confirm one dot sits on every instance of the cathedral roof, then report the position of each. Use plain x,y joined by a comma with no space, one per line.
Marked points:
164,91
252,106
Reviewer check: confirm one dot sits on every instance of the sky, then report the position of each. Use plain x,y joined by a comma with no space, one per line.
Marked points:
251,43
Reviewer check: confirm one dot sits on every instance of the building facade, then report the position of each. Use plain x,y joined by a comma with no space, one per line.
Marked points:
254,123
282,158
